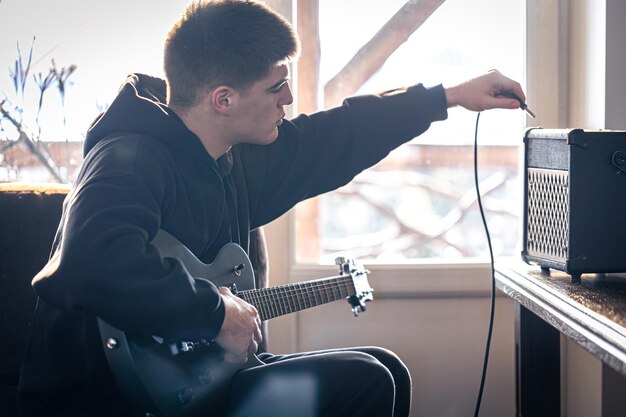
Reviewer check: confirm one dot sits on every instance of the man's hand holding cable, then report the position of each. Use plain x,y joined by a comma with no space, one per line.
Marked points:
483,93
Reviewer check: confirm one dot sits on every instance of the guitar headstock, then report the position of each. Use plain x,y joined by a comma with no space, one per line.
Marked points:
362,290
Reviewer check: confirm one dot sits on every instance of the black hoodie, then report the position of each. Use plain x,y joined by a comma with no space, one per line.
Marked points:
144,171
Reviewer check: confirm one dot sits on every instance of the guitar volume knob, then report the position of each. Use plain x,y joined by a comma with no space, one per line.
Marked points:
237,269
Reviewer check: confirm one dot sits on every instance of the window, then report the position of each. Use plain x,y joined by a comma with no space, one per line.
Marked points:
420,201
94,36
417,204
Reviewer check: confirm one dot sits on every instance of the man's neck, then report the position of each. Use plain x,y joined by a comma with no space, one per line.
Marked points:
209,130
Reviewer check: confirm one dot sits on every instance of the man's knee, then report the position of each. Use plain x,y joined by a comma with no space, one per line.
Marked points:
369,369
364,385
390,360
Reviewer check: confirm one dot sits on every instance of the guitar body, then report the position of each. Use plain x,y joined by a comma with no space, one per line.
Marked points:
162,379
191,378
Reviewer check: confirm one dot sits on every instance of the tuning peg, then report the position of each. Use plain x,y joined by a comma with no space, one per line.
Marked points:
358,309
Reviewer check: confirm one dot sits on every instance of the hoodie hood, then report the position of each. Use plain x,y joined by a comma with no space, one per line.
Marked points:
140,108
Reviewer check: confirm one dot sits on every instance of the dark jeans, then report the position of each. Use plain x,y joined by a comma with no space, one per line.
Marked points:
364,381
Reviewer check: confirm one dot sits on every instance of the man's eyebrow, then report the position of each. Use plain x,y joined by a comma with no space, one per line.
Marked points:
278,84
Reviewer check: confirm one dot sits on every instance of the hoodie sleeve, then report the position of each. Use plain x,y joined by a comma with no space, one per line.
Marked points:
104,263
318,153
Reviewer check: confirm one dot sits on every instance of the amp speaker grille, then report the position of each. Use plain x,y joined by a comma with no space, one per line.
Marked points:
548,208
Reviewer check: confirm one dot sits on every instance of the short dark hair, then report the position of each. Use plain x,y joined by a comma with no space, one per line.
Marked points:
224,42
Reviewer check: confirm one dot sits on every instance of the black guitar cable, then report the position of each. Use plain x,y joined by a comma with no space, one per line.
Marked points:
492,308
493,278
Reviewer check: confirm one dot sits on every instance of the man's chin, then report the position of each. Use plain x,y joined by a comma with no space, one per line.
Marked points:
271,138
268,139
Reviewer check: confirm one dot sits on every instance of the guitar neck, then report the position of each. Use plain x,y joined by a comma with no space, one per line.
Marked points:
284,299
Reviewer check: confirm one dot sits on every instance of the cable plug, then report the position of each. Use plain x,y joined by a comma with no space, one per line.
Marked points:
522,105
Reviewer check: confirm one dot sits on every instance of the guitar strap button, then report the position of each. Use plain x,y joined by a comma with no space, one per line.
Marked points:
111,343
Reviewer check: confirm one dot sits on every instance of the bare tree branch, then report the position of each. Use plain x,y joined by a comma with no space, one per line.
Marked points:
374,54
39,152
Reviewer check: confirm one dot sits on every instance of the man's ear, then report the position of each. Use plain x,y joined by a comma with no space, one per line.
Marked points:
222,99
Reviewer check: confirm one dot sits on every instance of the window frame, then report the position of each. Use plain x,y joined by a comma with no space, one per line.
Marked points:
546,82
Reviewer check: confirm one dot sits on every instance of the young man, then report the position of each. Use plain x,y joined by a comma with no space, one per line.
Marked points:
207,156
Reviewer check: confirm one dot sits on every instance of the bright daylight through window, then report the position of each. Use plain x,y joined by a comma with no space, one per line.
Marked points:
420,201
417,204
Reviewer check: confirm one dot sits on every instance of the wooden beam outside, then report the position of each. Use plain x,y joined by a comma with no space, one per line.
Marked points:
309,63
374,54
307,91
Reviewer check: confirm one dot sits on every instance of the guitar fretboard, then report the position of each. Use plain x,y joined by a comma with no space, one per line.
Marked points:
289,298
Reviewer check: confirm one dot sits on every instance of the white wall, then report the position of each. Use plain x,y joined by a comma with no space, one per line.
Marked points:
442,341
615,100
597,64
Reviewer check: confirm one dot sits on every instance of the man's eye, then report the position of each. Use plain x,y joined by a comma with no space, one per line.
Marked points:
277,88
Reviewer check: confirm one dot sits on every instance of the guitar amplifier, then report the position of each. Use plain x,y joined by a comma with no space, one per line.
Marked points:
575,200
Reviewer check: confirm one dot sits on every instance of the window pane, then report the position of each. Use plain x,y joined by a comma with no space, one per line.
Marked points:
94,36
420,201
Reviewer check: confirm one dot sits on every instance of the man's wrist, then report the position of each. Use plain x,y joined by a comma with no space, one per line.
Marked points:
451,96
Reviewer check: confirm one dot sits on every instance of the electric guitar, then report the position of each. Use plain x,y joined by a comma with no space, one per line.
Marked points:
191,378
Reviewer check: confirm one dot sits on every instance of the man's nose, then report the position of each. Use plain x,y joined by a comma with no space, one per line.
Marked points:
287,98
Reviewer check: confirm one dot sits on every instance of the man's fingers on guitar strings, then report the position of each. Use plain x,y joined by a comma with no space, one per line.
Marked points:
254,346
258,336
255,341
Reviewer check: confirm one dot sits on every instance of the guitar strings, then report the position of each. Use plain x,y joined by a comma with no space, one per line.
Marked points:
271,302
323,292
